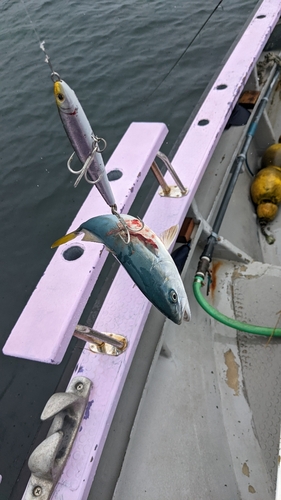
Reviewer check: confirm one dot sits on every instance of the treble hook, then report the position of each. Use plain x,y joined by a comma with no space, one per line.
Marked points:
83,171
140,229
125,227
96,149
54,74
96,141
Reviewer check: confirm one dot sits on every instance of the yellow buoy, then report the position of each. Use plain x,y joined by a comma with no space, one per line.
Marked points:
266,186
266,211
266,195
272,156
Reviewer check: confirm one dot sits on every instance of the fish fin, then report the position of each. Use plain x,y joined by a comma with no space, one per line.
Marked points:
168,236
88,236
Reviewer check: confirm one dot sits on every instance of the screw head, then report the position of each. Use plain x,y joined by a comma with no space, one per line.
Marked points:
37,491
79,386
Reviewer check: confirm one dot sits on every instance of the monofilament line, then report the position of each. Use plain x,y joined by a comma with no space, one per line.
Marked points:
186,49
30,20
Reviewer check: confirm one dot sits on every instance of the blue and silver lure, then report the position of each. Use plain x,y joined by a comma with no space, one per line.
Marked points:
145,257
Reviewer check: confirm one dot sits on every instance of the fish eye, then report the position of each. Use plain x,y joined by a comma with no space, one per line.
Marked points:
60,97
173,296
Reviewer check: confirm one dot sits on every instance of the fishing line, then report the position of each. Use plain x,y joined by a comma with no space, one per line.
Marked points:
185,50
31,22
55,76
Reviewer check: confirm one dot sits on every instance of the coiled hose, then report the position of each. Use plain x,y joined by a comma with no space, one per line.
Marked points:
233,323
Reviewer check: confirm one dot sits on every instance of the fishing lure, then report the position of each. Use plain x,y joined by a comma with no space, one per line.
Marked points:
85,143
145,258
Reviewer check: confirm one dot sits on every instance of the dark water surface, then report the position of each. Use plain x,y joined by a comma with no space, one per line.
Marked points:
114,55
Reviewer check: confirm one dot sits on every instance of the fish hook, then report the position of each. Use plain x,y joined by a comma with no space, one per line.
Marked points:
125,227
54,75
83,171
96,149
140,229
96,141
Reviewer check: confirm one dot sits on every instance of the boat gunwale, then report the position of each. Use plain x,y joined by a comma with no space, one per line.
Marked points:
106,392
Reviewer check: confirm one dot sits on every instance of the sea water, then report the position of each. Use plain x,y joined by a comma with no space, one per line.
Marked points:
116,55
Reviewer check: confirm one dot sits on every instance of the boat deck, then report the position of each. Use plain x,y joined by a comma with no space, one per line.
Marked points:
210,417
208,424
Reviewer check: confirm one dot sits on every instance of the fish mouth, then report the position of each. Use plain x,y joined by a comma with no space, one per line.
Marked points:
186,310
180,313
186,315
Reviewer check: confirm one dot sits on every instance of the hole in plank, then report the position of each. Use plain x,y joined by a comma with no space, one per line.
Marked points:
203,122
114,175
73,253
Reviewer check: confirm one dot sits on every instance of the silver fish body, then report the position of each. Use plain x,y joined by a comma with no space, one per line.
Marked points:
80,134
145,258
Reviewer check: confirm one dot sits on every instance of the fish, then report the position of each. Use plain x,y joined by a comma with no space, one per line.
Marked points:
82,138
145,258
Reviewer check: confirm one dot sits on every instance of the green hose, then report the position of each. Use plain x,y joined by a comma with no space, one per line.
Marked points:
233,323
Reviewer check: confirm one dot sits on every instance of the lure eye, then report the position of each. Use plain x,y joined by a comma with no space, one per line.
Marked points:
173,296
60,97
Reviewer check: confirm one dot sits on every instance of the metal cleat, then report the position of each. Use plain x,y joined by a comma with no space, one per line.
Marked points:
47,461
170,191
102,342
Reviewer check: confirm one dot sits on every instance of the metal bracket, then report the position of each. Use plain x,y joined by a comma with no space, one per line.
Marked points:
170,191
47,461
102,342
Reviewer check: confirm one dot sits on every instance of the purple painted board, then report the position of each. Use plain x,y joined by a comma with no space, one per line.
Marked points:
60,296
125,309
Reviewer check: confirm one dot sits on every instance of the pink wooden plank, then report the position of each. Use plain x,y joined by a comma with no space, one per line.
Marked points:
125,309
201,140
46,325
